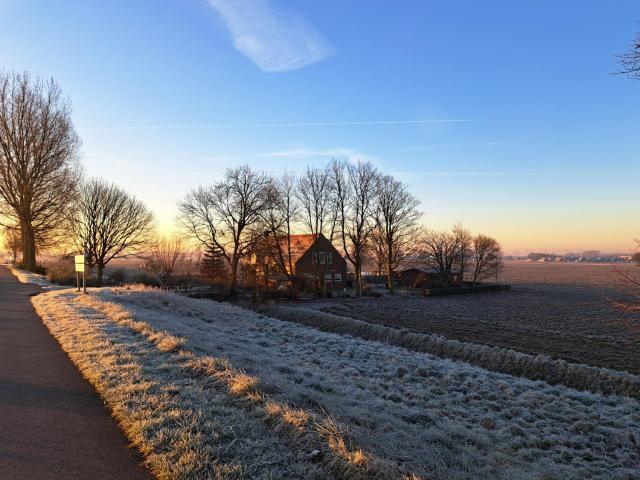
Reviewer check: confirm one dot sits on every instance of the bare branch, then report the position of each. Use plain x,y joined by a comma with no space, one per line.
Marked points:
396,229
225,217
38,159
110,223
629,61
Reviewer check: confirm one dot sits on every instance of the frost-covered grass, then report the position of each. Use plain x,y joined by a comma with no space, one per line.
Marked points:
576,323
342,406
504,360
32,278
196,416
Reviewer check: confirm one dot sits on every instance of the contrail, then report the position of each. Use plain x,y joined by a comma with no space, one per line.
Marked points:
276,125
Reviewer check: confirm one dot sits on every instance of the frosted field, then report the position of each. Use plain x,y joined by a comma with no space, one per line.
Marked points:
397,413
564,310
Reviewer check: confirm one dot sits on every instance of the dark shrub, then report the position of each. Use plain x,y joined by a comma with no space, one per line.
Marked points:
117,277
40,269
146,279
62,271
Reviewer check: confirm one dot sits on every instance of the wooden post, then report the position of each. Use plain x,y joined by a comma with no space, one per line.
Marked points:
84,280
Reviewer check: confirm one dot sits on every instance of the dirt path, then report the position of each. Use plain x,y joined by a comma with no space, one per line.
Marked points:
52,423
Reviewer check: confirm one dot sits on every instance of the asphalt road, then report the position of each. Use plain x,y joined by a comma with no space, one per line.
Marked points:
53,424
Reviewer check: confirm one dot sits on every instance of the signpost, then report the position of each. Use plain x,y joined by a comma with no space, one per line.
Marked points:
80,264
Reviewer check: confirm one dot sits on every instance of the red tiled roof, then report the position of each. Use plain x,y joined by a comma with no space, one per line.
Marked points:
300,244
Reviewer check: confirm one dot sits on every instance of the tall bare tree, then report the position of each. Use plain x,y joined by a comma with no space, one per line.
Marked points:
38,165
441,251
465,246
281,212
318,210
629,61
110,223
355,190
315,195
396,218
630,287
223,217
487,257
164,255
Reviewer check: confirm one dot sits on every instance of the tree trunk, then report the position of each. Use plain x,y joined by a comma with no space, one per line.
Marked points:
234,276
389,266
99,274
28,247
475,275
390,279
358,275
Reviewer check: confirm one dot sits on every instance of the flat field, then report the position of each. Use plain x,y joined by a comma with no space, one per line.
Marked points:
582,274
562,310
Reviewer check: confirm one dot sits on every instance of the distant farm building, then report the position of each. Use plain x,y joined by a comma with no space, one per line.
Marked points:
416,277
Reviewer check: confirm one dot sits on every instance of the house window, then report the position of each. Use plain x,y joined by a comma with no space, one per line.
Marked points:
321,257
337,277
329,258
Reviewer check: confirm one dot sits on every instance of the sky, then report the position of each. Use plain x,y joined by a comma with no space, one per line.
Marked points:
504,116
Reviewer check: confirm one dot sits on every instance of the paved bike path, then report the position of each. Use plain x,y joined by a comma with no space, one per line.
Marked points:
53,424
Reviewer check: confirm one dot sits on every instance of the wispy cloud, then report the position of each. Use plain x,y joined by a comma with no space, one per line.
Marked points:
276,41
104,158
124,163
279,125
301,153
422,148
549,173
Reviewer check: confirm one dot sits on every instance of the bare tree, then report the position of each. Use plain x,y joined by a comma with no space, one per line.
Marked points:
629,61
315,195
487,257
441,251
355,188
280,214
465,246
38,166
630,286
12,241
110,223
318,212
164,255
377,247
396,218
223,217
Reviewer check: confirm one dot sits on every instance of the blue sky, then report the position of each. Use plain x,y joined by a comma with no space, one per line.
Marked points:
528,135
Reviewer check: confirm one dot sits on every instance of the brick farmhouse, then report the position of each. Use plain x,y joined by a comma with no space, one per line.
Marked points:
313,257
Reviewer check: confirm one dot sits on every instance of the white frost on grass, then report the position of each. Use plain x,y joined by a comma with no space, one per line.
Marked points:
32,278
497,359
197,416
431,416
186,427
